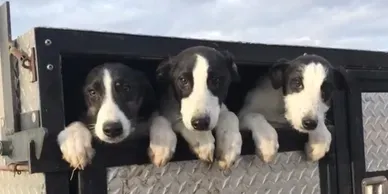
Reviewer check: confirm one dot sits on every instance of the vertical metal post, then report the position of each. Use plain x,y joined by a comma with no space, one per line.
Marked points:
8,73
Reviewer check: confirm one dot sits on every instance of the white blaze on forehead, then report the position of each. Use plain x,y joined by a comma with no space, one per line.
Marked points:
307,102
201,101
110,112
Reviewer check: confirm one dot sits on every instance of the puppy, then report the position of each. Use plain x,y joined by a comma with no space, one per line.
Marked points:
296,93
117,99
193,86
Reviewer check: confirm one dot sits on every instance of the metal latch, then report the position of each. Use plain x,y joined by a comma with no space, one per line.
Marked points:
375,185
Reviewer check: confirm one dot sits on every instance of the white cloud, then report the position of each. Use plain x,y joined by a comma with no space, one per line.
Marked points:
351,24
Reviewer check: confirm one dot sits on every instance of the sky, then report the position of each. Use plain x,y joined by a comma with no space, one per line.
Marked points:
350,24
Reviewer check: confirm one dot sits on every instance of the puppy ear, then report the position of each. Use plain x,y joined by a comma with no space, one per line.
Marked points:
276,73
231,66
149,103
163,69
341,78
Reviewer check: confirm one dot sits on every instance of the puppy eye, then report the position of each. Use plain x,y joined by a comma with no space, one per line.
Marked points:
215,81
298,83
183,80
126,88
91,92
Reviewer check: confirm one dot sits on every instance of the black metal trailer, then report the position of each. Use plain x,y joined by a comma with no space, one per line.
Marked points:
41,71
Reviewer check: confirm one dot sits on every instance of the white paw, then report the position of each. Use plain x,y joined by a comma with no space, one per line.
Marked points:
226,158
160,155
266,147
205,152
162,142
316,151
267,150
228,148
75,142
318,145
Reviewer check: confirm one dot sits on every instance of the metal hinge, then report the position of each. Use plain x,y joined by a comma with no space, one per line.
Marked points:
27,62
375,185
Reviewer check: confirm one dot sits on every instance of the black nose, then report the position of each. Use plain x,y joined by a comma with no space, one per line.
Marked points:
112,129
309,124
201,123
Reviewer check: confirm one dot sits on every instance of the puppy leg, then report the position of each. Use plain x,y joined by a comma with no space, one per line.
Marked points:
162,141
264,135
75,142
228,139
200,142
318,144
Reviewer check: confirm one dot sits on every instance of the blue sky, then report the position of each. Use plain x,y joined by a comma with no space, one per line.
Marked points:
326,23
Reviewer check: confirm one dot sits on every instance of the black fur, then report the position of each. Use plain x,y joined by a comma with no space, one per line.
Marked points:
288,75
133,92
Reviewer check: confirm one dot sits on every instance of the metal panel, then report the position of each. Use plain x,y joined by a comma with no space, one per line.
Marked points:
29,92
289,173
23,183
375,124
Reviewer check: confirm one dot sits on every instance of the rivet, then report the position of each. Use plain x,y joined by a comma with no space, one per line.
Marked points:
50,67
47,42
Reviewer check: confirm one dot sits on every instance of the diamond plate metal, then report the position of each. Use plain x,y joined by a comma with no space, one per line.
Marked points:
289,173
375,124
23,183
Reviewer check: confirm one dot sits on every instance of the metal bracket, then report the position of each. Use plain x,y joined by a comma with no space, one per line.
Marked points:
16,146
375,185
27,62
21,143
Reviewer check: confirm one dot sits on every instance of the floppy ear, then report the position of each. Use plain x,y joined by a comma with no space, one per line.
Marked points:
341,78
231,66
276,73
163,69
149,103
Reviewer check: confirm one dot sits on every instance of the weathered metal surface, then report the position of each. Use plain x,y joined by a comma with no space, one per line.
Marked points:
23,183
29,92
375,123
289,173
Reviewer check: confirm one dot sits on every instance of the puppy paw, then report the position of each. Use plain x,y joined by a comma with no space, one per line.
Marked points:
228,158
162,141
267,150
318,145
160,155
75,142
205,152
228,149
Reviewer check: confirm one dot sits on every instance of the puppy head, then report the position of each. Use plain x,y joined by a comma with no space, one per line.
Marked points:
200,77
307,82
116,96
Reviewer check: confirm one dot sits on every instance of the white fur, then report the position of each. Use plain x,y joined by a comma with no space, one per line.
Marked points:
263,110
228,138
201,101
201,142
263,134
75,142
308,102
162,141
109,111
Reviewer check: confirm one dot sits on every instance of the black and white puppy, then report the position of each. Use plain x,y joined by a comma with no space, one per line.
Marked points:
193,86
117,98
296,93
